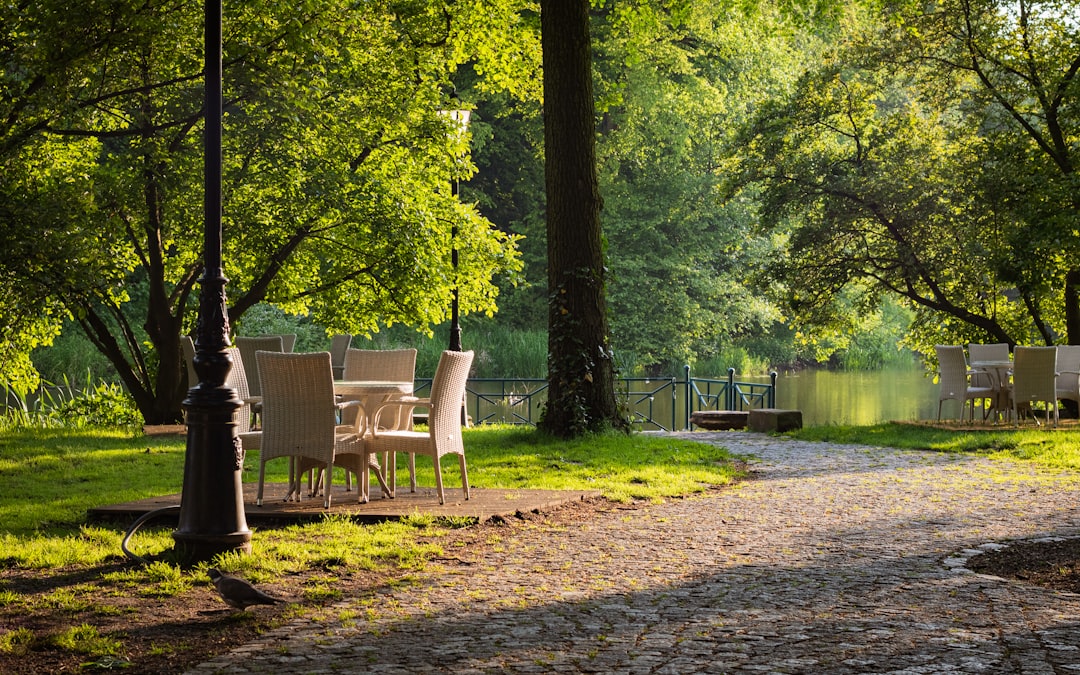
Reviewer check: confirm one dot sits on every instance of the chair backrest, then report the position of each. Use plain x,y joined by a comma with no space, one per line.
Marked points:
288,341
237,379
952,369
339,345
447,393
298,409
396,365
1035,374
998,351
248,345
1068,358
187,347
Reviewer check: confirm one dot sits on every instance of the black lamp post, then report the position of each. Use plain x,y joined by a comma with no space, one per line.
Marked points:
212,519
460,120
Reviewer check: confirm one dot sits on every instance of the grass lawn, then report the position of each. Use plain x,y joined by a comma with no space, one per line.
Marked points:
68,595
1053,448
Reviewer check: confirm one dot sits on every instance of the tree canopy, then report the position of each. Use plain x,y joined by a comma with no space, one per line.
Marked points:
337,167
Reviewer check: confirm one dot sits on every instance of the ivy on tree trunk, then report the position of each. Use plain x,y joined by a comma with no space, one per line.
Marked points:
581,392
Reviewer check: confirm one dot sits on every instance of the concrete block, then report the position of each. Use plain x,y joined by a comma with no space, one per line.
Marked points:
719,420
774,419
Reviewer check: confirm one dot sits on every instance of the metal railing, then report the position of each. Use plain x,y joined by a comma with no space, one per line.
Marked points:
655,404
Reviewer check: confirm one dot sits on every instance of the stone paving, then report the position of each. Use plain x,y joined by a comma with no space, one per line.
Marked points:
834,559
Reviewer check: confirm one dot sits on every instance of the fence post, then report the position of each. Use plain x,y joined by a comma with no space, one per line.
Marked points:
729,393
688,405
772,390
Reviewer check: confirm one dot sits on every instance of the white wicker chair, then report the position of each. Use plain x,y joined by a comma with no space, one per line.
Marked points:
1068,368
998,351
237,379
953,380
248,345
339,345
443,436
187,347
394,365
299,421
1035,379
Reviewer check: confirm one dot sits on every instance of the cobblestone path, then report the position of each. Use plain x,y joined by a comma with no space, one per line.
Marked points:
834,559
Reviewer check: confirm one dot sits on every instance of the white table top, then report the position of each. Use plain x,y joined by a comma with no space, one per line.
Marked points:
365,387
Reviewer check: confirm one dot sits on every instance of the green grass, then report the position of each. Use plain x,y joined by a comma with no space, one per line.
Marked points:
61,474
1053,448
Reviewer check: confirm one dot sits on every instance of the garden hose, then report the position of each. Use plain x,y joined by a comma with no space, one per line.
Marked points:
136,525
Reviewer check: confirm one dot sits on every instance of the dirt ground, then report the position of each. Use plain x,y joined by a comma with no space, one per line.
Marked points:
168,635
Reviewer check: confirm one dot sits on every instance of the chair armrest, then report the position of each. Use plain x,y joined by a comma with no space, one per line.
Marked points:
402,402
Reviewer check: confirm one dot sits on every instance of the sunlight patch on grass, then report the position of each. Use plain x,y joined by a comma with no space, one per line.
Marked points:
1051,448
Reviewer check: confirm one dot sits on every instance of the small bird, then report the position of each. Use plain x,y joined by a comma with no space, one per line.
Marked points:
238,593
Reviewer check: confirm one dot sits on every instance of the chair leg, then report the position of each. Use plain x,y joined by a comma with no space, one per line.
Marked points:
438,479
262,475
379,477
412,472
329,471
464,475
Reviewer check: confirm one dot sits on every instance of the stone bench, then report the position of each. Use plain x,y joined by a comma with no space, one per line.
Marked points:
774,419
719,420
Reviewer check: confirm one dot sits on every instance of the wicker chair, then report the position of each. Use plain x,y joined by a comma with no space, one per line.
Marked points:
395,365
237,380
1068,368
187,347
248,346
1035,379
299,421
953,379
339,345
443,436
998,351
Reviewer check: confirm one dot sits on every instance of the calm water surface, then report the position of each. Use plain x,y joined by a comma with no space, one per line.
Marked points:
831,397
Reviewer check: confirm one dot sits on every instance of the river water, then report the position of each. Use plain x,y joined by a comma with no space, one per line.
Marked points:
839,397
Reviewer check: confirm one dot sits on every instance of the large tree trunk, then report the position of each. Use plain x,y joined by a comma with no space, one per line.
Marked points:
581,393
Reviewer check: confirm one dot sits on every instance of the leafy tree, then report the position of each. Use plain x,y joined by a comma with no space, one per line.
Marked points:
674,82
336,167
903,167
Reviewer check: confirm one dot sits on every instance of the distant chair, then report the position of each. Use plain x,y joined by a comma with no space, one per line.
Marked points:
1035,379
288,342
1068,369
339,345
248,346
187,347
998,351
237,380
953,380
393,365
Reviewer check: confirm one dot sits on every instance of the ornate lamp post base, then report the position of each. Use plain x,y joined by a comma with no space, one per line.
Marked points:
212,519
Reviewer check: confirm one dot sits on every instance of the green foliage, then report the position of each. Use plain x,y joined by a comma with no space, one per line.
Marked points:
100,404
17,642
334,181
915,160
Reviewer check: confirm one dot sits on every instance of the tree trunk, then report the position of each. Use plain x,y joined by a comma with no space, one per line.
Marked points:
581,392
1072,307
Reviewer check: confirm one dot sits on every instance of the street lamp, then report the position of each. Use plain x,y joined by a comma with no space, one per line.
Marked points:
212,519
460,121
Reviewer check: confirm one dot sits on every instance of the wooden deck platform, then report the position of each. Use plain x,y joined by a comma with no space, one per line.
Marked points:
483,505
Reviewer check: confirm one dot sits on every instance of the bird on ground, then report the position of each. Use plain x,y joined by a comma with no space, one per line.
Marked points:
238,593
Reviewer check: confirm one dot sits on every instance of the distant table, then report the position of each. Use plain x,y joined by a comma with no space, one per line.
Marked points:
999,374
